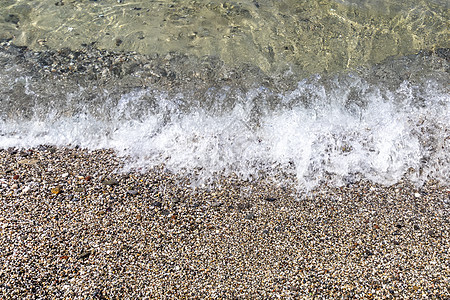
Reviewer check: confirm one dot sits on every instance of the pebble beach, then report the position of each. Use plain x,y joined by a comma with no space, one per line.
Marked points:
73,226
224,150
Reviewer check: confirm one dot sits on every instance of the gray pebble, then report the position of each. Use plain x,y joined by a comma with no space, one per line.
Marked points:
250,216
111,182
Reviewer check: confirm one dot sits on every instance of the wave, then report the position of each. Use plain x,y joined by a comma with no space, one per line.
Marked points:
336,129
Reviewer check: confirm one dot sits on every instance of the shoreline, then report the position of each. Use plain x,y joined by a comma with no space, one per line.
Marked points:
73,228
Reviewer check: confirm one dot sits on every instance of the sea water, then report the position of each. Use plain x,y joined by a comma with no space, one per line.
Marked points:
324,91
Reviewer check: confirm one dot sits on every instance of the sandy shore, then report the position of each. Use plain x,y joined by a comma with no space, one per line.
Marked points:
71,227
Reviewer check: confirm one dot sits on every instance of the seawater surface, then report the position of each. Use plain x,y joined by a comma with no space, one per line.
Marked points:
323,91
308,36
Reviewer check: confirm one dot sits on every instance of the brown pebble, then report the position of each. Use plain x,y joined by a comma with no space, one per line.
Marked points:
56,190
15,177
87,178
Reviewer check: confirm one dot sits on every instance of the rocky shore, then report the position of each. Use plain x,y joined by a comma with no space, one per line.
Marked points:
72,226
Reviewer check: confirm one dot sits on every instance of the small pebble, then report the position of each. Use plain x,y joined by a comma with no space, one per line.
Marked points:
111,182
250,216
84,254
157,204
216,204
56,190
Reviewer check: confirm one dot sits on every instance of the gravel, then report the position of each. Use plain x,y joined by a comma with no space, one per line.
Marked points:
64,233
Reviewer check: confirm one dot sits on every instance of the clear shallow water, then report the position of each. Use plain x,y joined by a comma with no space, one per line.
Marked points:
331,107
308,36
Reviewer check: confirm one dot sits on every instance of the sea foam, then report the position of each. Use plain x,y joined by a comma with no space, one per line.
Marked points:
337,130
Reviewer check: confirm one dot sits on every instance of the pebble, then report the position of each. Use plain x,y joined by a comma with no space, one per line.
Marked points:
157,204
216,204
84,254
132,192
56,190
271,199
250,216
26,189
111,182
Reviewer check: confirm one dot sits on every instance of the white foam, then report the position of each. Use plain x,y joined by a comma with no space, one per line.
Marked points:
327,139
